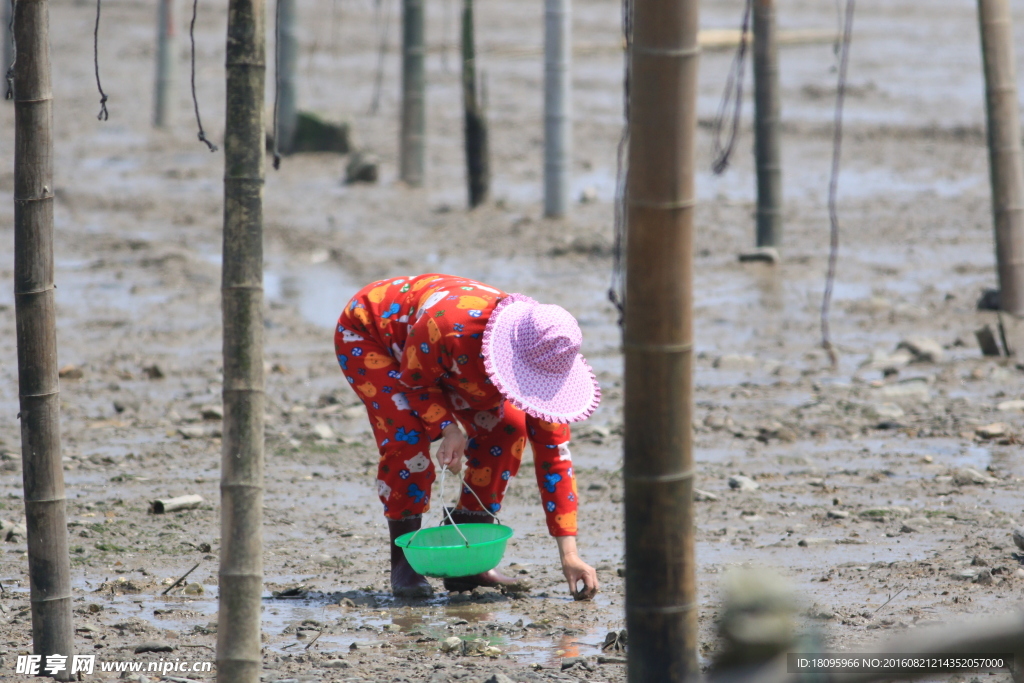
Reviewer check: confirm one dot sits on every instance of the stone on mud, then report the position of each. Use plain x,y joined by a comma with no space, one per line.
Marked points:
1018,537
732,362
1014,405
992,431
451,644
704,496
968,476
925,350
741,482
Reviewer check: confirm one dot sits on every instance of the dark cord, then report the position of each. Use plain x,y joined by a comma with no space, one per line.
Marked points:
103,115
833,187
195,101
733,95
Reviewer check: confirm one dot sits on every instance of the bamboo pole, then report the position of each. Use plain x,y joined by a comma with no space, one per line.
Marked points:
478,171
557,106
1006,168
413,136
766,126
661,611
166,64
49,567
287,81
241,567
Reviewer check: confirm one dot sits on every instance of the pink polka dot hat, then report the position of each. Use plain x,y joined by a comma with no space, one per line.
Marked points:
532,355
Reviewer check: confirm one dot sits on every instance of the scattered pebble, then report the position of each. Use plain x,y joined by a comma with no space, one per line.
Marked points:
451,644
967,476
838,514
704,496
925,350
153,647
807,542
1018,537
1014,405
742,482
992,431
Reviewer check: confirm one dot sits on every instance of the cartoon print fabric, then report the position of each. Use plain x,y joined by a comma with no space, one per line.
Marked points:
410,348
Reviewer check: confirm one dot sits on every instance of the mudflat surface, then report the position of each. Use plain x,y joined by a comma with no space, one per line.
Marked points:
879,499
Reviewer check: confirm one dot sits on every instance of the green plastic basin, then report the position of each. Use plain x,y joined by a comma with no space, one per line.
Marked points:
441,551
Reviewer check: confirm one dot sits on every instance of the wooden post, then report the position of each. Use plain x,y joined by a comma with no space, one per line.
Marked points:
766,126
166,64
661,609
411,146
287,81
478,170
557,106
49,567
1006,169
241,564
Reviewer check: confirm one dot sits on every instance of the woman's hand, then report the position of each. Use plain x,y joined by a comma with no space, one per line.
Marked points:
452,448
576,570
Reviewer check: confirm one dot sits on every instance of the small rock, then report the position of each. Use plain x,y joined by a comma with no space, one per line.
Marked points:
569,662
361,168
588,195
908,529
70,372
153,371
734,363
499,677
911,389
335,664
807,542
837,514
605,659
768,255
323,432
192,432
16,533
925,350
1015,405
966,575
741,482
984,577
967,476
194,589
451,644
992,431
491,651
154,647
212,412
704,496
1018,537
884,411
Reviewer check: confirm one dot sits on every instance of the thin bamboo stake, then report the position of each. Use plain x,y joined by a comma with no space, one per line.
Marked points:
661,610
49,567
413,129
1006,168
287,80
166,64
557,106
766,126
478,171
241,568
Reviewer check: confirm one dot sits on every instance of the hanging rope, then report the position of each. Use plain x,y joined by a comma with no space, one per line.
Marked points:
378,80
617,288
195,101
9,95
733,95
103,115
277,83
833,186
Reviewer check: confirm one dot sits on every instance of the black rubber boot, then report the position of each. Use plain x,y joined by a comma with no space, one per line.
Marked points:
488,579
405,581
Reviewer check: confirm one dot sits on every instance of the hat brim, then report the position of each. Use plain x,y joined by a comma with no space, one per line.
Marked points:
560,397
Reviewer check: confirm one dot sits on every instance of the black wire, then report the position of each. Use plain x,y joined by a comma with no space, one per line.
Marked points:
9,95
833,186
103,115
617,287
378,80
277,82
733,94
195,101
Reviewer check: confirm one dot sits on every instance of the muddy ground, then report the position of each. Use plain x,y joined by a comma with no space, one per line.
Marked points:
872,484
